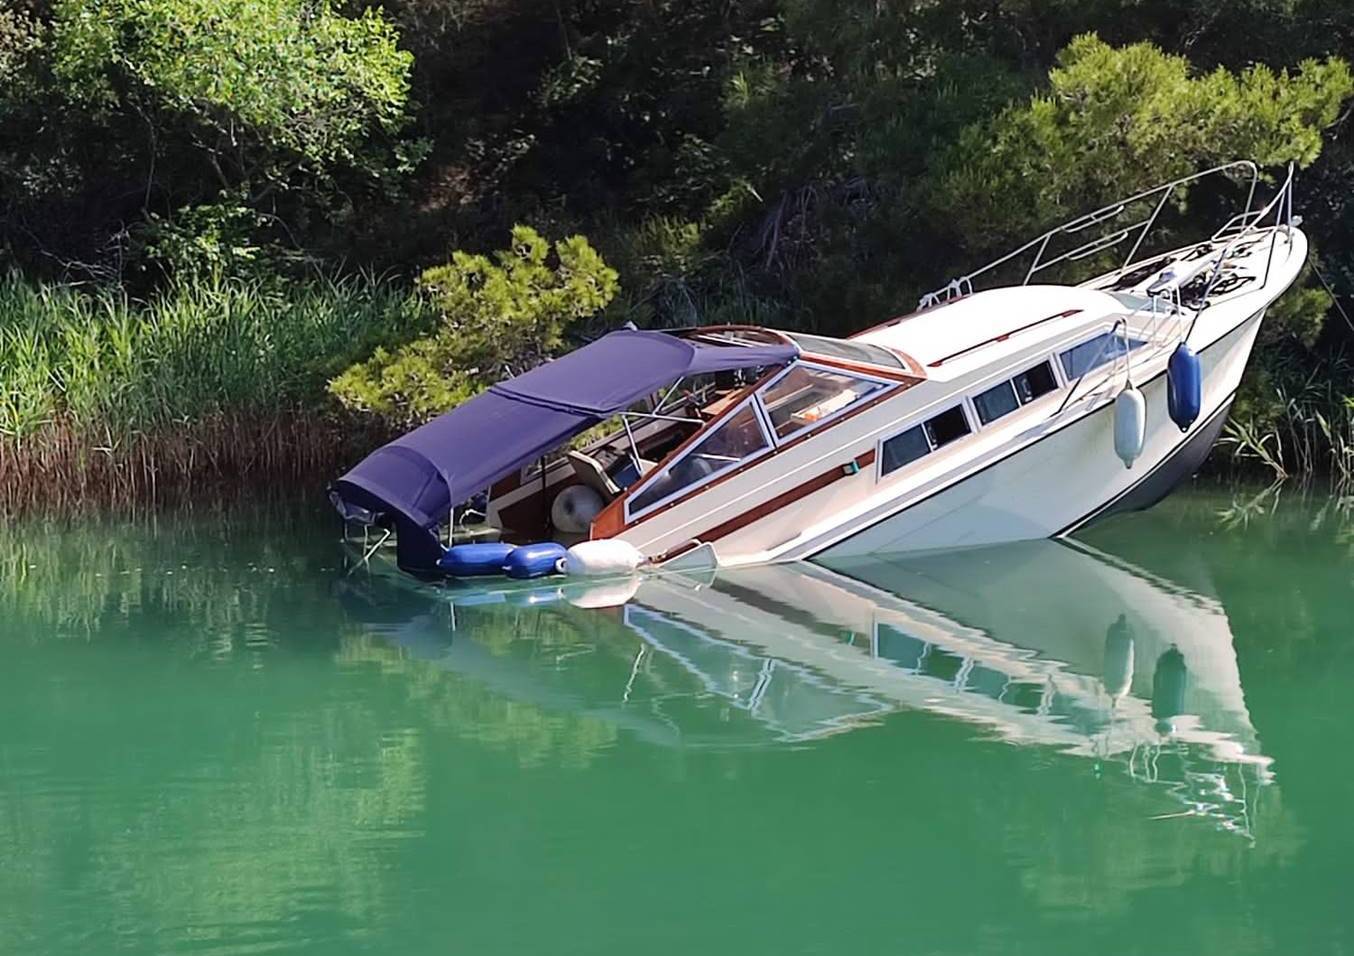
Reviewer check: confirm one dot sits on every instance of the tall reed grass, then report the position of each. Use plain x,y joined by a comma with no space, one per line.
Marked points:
1298,420
109,400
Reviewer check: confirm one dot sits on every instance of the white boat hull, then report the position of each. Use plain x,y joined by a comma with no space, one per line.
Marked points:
1060,481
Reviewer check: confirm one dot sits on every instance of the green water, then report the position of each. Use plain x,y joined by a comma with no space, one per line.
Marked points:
215,740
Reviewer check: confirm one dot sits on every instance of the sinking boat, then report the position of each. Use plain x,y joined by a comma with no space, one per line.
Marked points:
988,415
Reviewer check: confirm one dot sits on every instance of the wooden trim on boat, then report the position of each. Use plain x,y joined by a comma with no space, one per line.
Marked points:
913,367
874,371
861,462
699,330
610,521
678,551
912,364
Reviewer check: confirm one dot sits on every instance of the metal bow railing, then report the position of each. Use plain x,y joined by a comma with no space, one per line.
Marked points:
1107,233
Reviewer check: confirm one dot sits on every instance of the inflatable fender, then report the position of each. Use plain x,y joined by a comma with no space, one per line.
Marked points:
574,508
534,560
608,556
471,560
1130,425
1184,386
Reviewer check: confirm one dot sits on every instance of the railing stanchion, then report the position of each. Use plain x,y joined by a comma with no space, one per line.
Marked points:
1034,266
1147,227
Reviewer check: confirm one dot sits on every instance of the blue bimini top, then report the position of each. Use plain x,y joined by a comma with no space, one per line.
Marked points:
418,478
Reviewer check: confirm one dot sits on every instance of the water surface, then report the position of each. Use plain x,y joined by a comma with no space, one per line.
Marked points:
216,737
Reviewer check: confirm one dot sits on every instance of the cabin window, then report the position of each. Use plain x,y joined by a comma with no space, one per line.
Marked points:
906,447
1035,383
947,427
1093,353
737,438
997,401
1006,397
805,396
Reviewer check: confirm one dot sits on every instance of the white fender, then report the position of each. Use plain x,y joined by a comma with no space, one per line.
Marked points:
574,508
1130,425
608,556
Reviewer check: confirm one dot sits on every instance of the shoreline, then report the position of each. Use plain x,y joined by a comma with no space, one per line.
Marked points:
64,470
68,471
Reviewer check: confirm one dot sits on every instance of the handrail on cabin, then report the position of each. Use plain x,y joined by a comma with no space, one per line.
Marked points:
1245,222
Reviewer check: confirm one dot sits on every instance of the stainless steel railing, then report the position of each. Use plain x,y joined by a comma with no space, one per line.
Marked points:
1107,233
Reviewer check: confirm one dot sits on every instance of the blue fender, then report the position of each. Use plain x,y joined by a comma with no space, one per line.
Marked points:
1184,386
534,560
471,560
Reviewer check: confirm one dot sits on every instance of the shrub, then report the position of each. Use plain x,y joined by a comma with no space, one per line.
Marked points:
499,316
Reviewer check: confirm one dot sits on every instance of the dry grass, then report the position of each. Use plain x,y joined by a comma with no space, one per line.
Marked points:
64,468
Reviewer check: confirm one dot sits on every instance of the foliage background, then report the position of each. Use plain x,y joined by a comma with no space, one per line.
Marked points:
811,163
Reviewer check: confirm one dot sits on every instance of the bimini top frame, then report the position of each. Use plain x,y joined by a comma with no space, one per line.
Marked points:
1106,232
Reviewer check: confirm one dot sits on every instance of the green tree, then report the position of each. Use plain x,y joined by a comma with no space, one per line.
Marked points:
264,89
499,316
132,113
1117,120
20,39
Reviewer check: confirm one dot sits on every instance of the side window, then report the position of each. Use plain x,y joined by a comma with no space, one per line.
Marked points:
947,427
805,395
1006,397
920,440
904,449
997,401
732,441
1035,383
1093,353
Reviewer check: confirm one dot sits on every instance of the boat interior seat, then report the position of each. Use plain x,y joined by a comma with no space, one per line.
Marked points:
609,485
591,473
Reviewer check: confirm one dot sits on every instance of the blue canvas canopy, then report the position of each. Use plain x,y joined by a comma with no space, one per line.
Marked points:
417,479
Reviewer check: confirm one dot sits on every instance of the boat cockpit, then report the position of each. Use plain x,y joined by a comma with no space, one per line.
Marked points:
693,431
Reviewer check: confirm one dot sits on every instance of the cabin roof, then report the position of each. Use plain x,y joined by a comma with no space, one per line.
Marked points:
944,331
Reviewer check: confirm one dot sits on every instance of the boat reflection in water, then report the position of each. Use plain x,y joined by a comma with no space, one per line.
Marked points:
1037,643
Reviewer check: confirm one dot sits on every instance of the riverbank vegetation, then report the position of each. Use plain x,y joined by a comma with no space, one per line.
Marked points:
196,194
110,400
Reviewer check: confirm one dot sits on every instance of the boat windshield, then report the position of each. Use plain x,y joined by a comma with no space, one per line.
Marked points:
804,396
737,438
847,350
